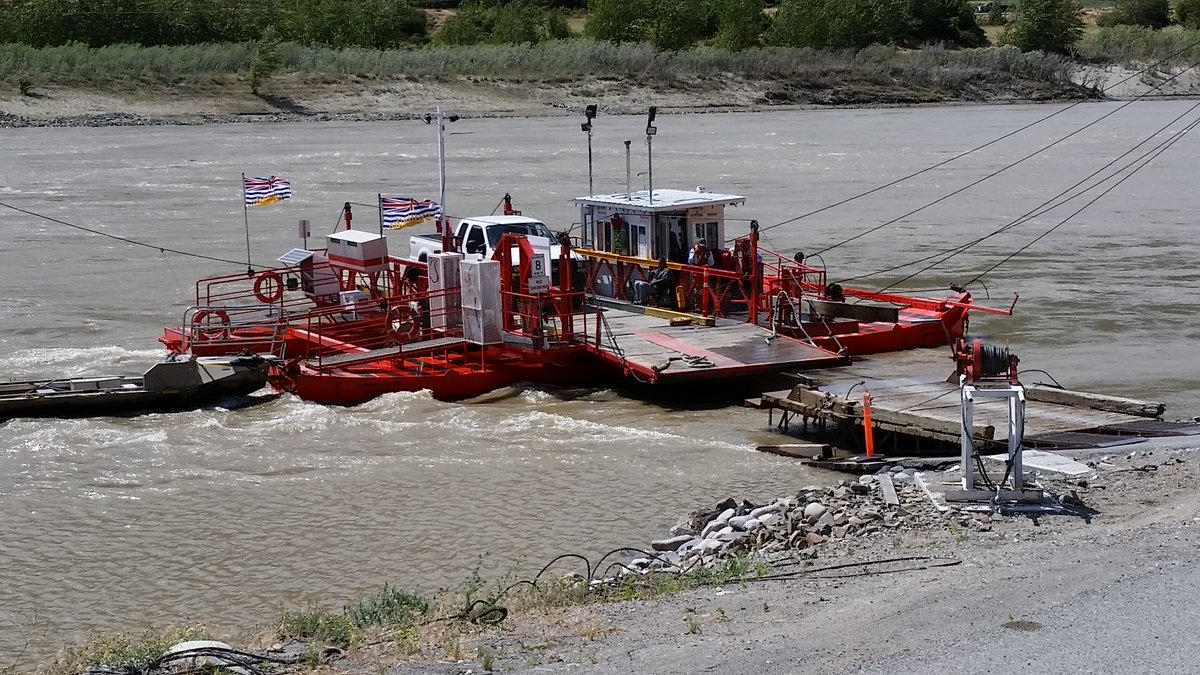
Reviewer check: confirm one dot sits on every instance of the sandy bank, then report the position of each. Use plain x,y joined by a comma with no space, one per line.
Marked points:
228,99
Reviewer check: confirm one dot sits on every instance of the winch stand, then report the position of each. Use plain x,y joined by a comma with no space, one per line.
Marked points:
1015,393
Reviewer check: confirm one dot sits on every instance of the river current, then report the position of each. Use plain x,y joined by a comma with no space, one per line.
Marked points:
225,516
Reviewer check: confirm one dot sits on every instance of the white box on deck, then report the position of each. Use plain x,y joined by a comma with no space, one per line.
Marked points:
481,301
445,300
349,299
358,250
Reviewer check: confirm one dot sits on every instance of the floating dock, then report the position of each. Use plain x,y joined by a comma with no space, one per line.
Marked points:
649,346
915,409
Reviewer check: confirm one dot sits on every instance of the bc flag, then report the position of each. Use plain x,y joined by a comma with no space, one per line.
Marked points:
263,191
401,212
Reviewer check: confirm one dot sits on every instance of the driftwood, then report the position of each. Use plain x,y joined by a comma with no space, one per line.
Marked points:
1083,399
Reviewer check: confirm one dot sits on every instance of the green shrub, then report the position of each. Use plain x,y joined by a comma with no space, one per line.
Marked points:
389,607
121,650
1045,25
1187,14
945,22
740,24
316,624
840,24
556,25
618,20
1136,45
265,61
1148,13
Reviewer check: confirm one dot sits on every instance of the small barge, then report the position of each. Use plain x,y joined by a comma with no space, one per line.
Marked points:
172,385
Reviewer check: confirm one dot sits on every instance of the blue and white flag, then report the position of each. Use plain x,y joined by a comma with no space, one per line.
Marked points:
401,212
263,191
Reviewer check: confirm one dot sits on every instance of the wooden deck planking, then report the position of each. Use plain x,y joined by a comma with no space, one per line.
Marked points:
650,343
913,385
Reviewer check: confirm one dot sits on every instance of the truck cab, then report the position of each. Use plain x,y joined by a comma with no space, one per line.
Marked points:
480,235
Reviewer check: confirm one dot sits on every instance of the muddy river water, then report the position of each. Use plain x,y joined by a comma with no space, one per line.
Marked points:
226,516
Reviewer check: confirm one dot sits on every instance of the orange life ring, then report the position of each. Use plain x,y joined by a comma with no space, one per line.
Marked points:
270,280
404,323
206,329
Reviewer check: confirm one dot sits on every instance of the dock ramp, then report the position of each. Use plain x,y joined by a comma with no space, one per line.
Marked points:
649,348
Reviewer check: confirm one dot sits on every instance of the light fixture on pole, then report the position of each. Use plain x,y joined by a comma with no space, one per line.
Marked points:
441,118
589,112
651,130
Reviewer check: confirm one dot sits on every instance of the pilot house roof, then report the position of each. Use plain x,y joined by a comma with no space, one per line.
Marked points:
664,200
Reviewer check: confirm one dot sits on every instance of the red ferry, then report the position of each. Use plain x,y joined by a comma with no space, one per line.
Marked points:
350,322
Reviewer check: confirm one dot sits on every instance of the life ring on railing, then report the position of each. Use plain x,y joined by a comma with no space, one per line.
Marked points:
206,329
404,322
268,287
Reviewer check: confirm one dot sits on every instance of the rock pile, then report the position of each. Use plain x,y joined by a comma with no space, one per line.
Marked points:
798,524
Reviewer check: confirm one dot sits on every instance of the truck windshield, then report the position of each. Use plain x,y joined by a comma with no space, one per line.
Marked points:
535,229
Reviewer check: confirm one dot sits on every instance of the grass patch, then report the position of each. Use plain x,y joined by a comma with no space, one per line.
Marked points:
564,59
1138,45
391,609
122,650
395,625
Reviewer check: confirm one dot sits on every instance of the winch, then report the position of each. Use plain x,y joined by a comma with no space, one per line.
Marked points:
989,371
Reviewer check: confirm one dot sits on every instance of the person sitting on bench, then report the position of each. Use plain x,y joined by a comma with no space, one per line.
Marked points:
658,284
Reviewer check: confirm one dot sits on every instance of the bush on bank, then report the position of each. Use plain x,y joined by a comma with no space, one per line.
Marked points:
77,64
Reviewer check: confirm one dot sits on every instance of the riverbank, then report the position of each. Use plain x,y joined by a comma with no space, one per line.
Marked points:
296,97
905,590
227,99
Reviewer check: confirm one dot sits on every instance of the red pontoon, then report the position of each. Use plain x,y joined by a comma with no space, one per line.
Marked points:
351,322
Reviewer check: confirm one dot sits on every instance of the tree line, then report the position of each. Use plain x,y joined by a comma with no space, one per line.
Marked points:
378,24
1047,25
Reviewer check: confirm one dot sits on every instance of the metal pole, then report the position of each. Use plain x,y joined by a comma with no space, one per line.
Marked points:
650,131
441,121
591,190
246,216
628,172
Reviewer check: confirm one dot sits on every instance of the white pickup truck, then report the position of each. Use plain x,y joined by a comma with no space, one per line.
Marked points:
480,235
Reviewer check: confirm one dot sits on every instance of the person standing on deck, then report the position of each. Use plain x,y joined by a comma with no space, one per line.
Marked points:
701,256
620,236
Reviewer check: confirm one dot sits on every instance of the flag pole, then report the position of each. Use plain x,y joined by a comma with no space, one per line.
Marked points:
246,214
379,203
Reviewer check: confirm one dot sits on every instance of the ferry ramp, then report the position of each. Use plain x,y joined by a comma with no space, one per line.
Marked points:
652,350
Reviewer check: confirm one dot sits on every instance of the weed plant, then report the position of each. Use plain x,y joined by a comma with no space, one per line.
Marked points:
555,61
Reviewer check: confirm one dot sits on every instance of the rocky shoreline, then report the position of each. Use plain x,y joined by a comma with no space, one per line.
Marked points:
300,100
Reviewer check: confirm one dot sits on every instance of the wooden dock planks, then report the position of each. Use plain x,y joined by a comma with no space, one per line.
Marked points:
910,397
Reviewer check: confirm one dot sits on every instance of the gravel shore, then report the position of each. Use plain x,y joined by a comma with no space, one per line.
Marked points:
1030,593
295,98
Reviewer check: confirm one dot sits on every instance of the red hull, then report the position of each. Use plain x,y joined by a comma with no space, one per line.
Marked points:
877,338
358,385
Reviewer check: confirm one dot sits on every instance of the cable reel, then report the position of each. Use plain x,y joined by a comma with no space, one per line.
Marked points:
985,363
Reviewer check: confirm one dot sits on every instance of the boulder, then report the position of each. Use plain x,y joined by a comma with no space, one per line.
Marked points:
671,543
814,511
825,523
739,522
764,510
812,538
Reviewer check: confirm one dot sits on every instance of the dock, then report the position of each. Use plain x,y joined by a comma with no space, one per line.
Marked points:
916,409
654,350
